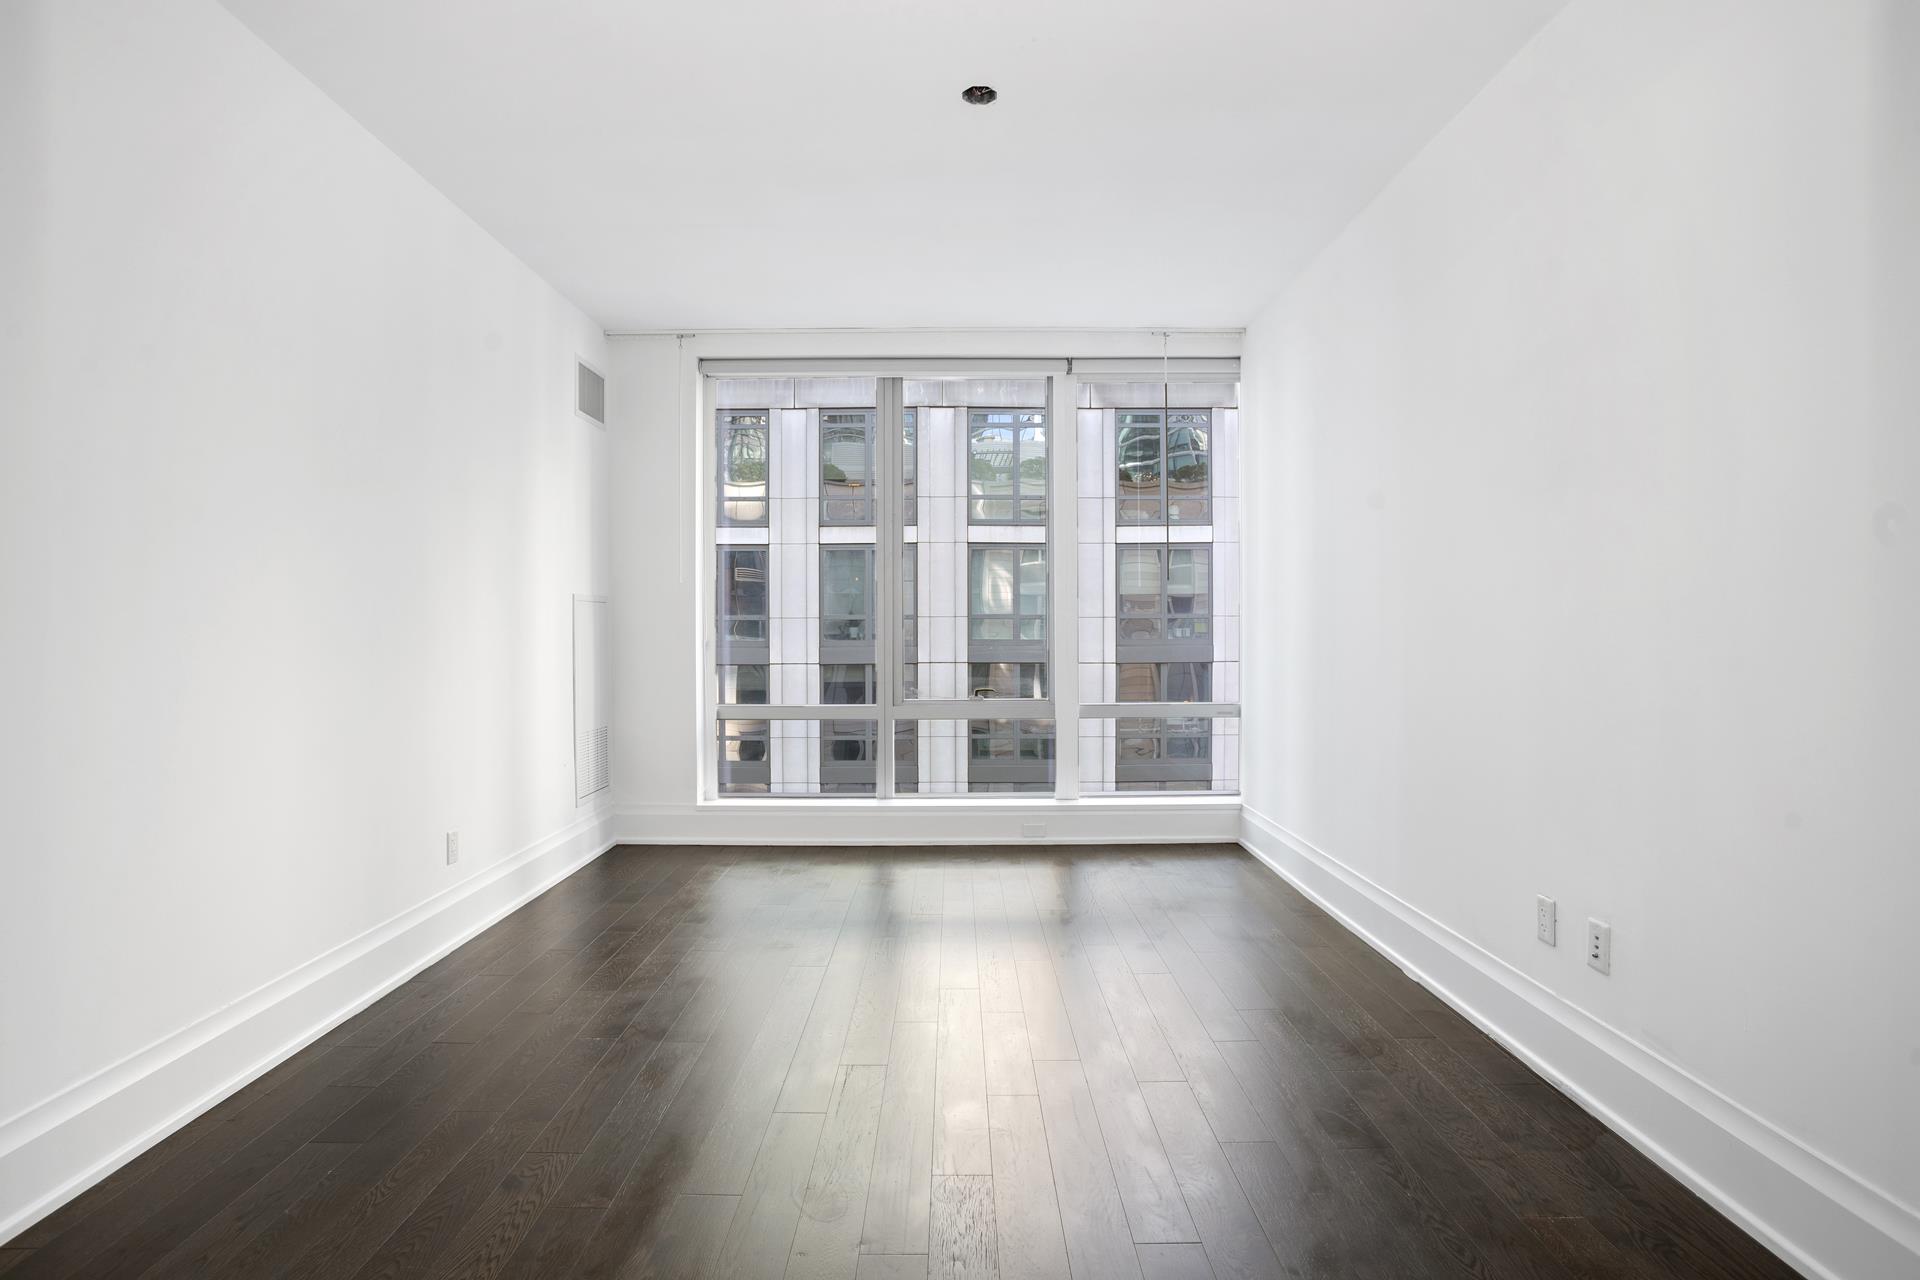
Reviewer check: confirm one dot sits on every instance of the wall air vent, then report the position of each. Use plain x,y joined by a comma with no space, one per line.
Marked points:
591,400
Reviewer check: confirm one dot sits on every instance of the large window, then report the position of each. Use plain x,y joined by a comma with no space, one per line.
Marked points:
911,560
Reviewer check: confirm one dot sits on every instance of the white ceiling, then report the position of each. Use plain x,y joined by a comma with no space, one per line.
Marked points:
809,163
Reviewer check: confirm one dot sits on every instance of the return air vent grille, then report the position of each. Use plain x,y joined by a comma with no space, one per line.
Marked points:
592,398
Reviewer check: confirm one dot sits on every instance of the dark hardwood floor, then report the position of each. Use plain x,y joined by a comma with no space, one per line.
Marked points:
1017,1062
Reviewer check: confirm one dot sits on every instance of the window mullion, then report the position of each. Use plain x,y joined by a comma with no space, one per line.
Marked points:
1063,565
888,607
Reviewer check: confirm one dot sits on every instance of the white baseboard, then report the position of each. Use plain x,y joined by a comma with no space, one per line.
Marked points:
1814,1214
1148,820
60,1147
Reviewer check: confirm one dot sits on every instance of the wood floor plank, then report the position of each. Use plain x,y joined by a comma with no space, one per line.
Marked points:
817,1059
919,998
1049,1035
417,1244
902,1180
826,1240
1235,1242
1141,1169
343,1241
692,1233
959,954
1140,1034
734,1135
1308,1218
962,1244
1497,1233
244,1217
1222,1099
178,1212
1032,1245
760,1237
870,1030
596,1176
1093,1220
960,1087
1173,1261
1009,1053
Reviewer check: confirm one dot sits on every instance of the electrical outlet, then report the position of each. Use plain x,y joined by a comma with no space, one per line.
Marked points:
1033,830
453,847
1599,945
1546,920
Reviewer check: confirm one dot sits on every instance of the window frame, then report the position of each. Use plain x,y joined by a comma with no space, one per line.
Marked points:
896,715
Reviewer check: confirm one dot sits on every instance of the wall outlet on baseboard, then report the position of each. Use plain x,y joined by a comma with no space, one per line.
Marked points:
1033,831
1546,920
453,847
1599,945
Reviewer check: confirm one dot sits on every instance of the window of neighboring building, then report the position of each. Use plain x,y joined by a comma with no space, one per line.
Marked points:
743,605
846,466
846,598
1164,682
1007,466
1165,466
1007,596
744,684
1009,755
1164,594
743,462
910,466
1172,754
745,765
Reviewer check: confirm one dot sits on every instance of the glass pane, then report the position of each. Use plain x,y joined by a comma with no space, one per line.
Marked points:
744,757
993,579
1164,682
846,683
742,456
846,576
1140,611
846,466
742,599
1007,680
744,684
797,757
1033,469
990,472
910,467
1137,452
1009,755
1189,466
952,758
1177,753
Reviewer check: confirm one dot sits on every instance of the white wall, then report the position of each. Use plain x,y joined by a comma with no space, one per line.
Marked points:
292,503
1591,569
